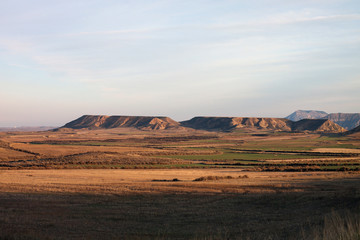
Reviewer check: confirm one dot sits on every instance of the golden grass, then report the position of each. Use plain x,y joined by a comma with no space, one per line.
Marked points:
337,150
344,225
128,204
12,154
130,181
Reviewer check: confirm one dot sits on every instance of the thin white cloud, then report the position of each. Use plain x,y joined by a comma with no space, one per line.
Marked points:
316,18
285,19
15,46
281,19
112,32
137,31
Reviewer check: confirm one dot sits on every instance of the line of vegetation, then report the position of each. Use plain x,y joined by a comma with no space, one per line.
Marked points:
229,155
214,178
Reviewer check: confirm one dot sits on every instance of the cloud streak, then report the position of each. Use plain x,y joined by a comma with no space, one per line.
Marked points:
286,19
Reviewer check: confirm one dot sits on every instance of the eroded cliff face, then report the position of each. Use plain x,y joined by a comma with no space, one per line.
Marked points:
140,122
87,121
346,120
263,123
205,123
230,123
317,125
277,124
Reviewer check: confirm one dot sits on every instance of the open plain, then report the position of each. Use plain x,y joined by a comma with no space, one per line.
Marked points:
180,119
178,184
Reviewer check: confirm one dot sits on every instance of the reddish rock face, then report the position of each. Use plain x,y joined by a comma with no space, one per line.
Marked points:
205,123
140,122
230,123
277,124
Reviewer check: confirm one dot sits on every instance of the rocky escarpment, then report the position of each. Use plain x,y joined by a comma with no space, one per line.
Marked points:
277,124
204,123
345,120
231,123
140,122
317,125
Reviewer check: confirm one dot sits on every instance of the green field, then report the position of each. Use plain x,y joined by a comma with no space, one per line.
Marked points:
229,155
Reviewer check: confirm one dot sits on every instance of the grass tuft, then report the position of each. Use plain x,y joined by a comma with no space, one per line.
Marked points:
337,226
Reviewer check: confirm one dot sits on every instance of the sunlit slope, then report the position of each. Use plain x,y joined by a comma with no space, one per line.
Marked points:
140,122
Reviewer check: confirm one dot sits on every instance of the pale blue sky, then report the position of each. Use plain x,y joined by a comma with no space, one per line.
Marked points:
62,59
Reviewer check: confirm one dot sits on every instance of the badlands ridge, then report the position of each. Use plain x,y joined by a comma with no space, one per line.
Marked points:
205,123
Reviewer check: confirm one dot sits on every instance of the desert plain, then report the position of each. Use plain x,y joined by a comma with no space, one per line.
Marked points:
126,183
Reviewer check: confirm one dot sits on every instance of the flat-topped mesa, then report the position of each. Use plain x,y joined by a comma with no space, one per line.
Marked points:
317,125
140,122
274,124
231,123
205,123
306,114
87,121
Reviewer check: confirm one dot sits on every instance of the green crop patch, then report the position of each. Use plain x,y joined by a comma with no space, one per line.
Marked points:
140,166
228,155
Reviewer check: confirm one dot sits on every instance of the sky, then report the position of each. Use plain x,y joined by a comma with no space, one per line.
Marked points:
177,58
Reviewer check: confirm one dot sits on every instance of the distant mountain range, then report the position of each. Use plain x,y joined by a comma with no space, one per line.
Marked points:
346,120
25,129
299,121
204,123
306,114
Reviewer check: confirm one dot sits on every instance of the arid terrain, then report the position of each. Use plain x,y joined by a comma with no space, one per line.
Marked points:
345,120
178,183
179,119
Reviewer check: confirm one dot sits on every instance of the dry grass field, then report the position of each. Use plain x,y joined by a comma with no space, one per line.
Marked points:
131,184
